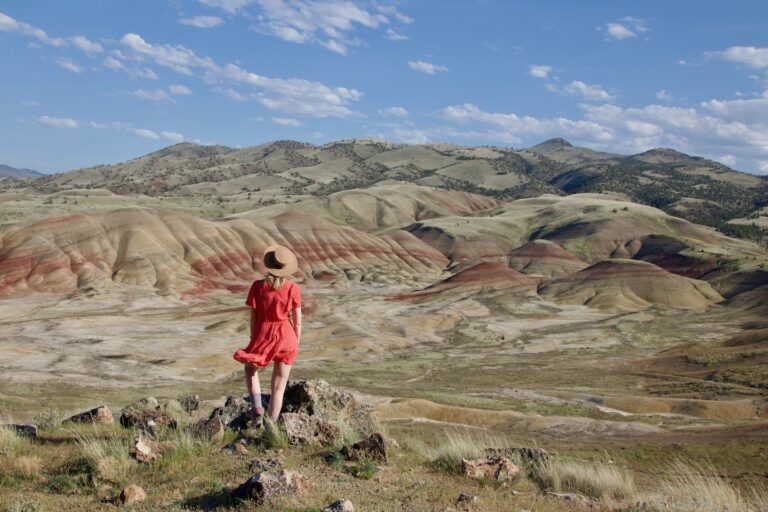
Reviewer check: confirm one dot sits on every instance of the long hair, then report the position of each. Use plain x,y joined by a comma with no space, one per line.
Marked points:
274,282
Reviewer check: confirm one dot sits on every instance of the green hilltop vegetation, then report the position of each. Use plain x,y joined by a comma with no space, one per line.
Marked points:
699,190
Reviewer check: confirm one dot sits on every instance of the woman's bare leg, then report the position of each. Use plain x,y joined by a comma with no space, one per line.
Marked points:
280,373
254,388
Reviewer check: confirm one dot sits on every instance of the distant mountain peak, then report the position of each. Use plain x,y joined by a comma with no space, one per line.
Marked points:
557,141
6,171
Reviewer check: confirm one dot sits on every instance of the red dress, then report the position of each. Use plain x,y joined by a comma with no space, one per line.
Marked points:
273,337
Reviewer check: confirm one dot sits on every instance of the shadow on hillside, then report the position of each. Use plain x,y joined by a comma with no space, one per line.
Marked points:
211,501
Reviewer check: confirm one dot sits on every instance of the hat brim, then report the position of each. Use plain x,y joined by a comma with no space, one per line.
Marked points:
288,269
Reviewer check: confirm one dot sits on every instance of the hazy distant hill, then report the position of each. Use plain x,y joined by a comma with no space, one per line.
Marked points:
700,190
6,171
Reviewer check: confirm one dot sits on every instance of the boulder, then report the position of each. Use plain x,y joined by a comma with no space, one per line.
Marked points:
269,485
144,404
207,429
234,414
340,506
132,494
305,429
190,403
147,421
318,398
500,469
373,448
100,415
25,430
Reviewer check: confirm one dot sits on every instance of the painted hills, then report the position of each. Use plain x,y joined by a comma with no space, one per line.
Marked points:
592,249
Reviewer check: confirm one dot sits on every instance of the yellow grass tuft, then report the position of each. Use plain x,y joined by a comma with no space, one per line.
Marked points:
274,436
456,444
692,486
602,481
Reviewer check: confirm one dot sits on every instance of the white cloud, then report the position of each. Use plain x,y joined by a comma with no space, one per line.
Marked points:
540,71
135,72
157,95
295,95
177,58
292,95
179,90
230,6
202,21
588,92
730,128
324,22
69,65
391,10
392,35
8,24
145,133
286,121
393,112
172,136
664,95
230,93
626,28
86,45
426,67
58,122
749,55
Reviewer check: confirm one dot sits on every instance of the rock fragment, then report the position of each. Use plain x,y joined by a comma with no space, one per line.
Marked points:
373,447
340,506
268,486
132,494
302,428
98,415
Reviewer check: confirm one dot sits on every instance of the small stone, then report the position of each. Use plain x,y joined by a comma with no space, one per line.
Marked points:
240,446
149,421
146,450
234,413
500,469
374,448
25,430
302,428
208,429
190,403
466,501
340,506
132,494
268,486
98,415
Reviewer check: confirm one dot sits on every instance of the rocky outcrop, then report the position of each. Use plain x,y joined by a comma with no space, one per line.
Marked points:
269,485
500,469
302,428
372,448
24,429
318,398
145,415
99,415
235,413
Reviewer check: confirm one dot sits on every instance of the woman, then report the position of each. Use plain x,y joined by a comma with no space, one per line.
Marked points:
273,336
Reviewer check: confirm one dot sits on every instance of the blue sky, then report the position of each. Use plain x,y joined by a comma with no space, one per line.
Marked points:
87,82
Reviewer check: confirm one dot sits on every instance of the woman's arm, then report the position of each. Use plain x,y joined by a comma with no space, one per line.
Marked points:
296,313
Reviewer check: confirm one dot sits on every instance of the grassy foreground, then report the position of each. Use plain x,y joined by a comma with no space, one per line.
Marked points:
84,468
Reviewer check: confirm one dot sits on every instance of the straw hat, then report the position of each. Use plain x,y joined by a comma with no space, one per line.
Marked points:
280,261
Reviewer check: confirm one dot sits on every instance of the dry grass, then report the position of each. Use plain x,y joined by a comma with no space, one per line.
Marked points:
106,451
28,466
601,481
696,487
10,440
455,445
